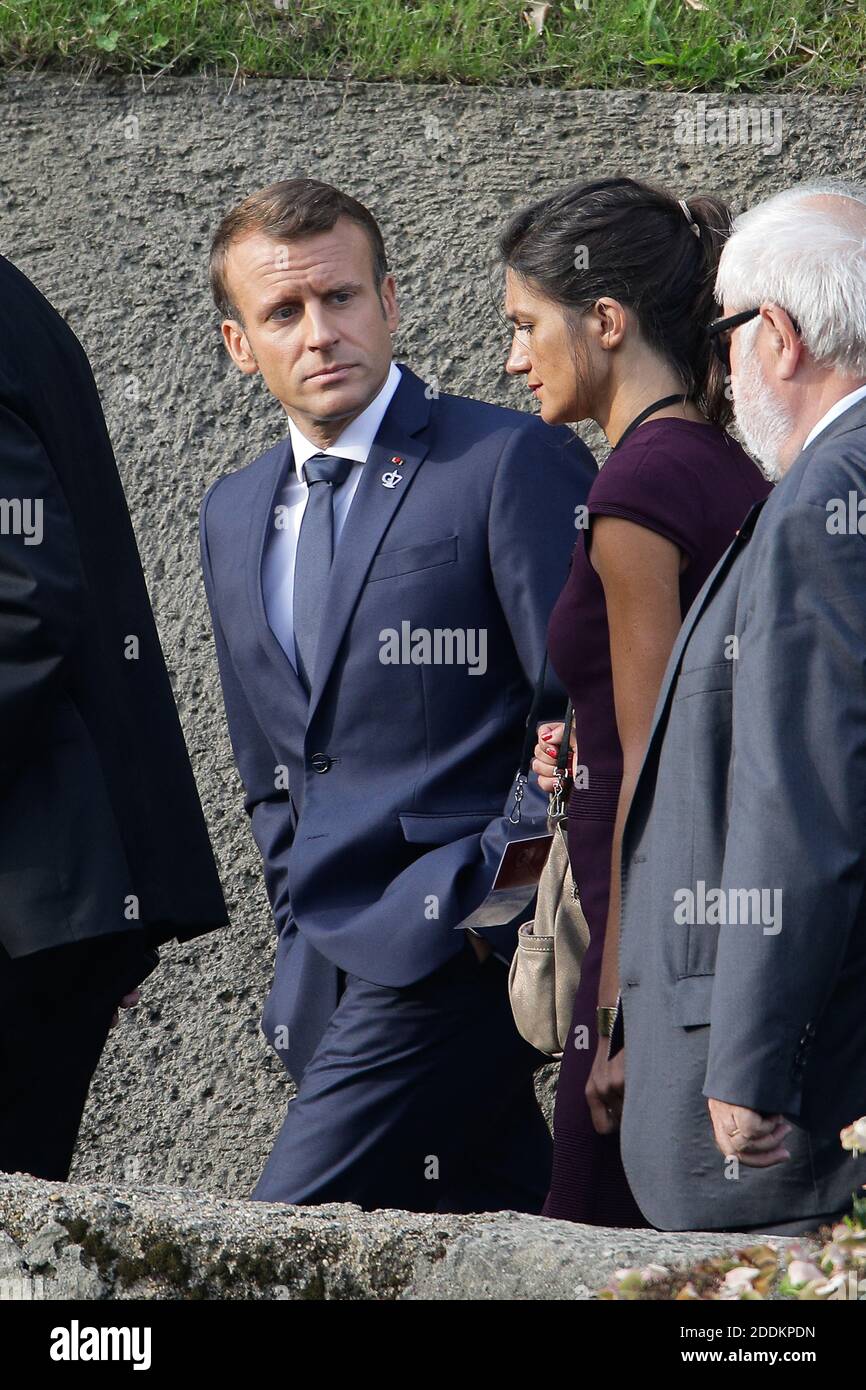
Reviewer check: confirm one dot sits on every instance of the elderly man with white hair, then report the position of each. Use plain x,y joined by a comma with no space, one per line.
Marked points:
743,933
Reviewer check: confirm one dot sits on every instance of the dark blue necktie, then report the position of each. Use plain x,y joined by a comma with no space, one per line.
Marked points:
322,474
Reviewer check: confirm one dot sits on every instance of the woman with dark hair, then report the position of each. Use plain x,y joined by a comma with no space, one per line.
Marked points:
609,286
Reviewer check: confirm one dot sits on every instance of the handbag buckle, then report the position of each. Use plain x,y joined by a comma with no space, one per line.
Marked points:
558,804
519,789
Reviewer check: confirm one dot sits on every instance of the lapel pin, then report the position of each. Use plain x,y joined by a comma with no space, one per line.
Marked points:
392,478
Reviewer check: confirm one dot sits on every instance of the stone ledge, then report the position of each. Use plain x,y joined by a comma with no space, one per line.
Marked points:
70,1241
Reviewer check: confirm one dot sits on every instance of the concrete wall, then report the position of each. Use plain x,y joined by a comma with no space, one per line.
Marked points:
108,196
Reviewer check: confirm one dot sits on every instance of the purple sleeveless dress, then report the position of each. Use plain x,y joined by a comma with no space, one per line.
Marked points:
693,484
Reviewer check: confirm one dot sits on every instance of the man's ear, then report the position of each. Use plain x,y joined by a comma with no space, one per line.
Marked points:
238,348
786,343
388,300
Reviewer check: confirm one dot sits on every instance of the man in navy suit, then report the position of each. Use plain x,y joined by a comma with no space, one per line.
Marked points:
380,582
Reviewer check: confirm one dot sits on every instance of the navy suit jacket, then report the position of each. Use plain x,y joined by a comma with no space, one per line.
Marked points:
399,775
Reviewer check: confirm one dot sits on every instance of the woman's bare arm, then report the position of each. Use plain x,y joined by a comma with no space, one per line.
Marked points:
640,572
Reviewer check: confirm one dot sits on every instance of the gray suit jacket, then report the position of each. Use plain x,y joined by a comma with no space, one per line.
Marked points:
743,930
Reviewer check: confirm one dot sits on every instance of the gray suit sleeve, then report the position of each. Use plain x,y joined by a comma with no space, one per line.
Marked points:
797,813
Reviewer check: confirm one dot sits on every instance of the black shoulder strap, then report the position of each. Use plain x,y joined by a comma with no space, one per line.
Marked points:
531,738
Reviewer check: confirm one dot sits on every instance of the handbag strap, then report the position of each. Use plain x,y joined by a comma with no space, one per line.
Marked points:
531,738
559,796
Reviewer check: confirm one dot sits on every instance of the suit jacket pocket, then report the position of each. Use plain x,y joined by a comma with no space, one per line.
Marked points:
693,999
699,679
442,829
409,558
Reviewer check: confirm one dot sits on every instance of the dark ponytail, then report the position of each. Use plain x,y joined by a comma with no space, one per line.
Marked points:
632,242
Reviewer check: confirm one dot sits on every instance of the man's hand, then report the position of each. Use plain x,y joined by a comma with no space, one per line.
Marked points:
753,1138
481,947
605,1089
126,1002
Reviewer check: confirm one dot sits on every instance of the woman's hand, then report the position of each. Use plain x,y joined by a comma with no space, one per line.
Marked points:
547,752
605,1089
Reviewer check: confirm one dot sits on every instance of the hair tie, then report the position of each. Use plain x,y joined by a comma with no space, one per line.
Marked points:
688,216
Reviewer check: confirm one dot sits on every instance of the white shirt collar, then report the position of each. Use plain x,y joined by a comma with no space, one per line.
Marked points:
357,438
834,412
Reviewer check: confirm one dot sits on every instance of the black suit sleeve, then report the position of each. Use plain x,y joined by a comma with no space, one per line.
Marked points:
42,586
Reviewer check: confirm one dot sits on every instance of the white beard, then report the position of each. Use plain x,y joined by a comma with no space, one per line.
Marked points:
766,426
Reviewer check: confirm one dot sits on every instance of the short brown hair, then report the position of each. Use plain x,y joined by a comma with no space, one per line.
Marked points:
290,208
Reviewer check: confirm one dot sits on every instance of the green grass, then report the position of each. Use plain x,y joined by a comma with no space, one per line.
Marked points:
723,45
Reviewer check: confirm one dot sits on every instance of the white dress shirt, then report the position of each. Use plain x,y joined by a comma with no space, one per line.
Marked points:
835,410
278,562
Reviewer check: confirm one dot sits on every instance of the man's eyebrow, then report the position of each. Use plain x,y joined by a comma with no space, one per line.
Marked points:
347,285
287,297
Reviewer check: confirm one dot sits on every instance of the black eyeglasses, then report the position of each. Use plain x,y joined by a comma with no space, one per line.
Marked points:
720,333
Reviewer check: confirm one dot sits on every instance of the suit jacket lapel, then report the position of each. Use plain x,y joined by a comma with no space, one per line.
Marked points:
373,508
262,520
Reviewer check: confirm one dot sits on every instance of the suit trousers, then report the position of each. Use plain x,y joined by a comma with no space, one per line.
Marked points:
419,1098
55,1014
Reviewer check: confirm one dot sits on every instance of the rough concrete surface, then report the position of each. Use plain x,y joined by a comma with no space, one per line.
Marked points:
61,1241
110,192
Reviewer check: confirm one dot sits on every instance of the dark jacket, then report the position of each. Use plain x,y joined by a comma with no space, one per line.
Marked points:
101,830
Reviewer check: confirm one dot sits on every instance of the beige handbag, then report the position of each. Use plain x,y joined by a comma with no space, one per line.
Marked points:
545,968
